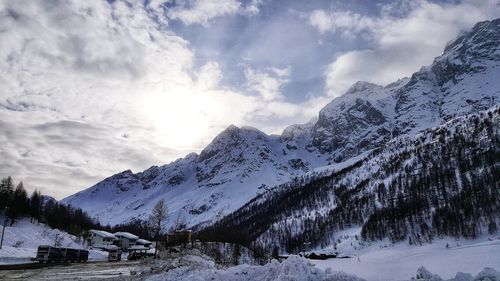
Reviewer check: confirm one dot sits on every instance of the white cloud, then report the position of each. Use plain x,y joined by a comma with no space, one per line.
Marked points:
270,103
205,11
63,156
252,8
346,22
73,77
202,11
400,44
267,83
209,76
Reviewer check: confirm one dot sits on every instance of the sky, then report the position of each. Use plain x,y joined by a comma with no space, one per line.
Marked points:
92,88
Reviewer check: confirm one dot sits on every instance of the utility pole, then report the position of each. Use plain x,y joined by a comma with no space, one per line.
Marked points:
3,230
55,242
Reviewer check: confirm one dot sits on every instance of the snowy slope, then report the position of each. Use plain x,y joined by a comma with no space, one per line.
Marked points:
243,162
385,261
22,239
238,164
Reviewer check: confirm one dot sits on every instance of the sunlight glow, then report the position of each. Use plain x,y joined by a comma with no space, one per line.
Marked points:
181,116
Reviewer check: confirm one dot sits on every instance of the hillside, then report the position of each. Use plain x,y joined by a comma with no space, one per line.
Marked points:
441,182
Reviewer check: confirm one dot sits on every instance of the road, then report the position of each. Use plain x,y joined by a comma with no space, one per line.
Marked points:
124,270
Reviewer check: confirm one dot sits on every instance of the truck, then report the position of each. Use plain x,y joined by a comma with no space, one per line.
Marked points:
114,254
46,253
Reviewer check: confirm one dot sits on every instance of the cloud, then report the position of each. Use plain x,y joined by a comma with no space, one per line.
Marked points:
209,76
205,11
401,40
267,83
346,22
252,8
202,11
62,156
270,103
76,76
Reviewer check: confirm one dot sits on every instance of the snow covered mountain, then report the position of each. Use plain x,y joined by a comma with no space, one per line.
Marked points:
462,80
243,162
441,182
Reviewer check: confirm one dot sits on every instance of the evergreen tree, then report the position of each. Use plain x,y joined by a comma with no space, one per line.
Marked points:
236,254
35,208
19,204
6,191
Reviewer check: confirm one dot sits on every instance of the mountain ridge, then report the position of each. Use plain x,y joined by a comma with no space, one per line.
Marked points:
243,162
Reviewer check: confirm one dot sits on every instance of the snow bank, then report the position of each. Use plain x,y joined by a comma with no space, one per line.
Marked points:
201,268
21,242
196,268
384,261
488,274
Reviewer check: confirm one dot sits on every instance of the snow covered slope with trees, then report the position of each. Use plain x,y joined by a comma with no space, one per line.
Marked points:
440,182
241,163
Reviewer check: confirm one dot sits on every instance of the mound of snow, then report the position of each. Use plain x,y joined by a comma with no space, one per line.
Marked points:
488,274
196,268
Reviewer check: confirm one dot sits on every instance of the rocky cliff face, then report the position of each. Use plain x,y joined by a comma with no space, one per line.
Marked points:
461,81
243,162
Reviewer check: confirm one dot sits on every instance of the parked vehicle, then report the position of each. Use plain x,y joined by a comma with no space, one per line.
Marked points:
136,254
115,254
47,253
84,255
71,254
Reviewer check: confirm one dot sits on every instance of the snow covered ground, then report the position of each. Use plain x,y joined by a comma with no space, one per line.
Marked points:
199,268
384,261
21,242
124,270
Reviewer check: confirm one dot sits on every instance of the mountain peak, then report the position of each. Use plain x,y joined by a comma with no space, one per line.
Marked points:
231,128
484,34
361,87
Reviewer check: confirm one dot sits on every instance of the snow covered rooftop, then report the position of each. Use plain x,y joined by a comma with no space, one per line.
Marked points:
102,233
143,242
127,235
105,247
137,248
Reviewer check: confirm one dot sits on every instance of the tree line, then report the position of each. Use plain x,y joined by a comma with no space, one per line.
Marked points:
16,204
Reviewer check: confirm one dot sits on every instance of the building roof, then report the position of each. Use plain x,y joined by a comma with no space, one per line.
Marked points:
137,247
106,247
144,242
102,233
127,235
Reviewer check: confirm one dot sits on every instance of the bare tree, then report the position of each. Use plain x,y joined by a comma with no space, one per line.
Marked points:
157,219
